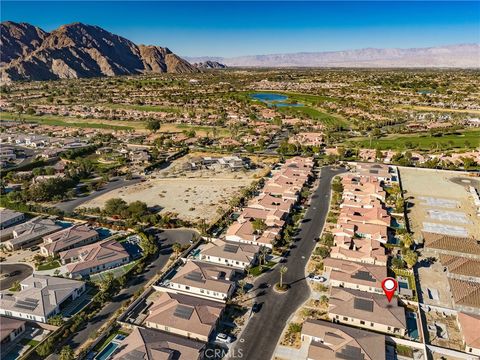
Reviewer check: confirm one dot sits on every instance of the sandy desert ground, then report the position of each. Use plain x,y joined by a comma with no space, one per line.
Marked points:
440,197
194,195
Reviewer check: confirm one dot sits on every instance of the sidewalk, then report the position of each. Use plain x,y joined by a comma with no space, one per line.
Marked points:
286,352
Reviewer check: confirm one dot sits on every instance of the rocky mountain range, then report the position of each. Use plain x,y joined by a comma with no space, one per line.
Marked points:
451,56
77,51
210,65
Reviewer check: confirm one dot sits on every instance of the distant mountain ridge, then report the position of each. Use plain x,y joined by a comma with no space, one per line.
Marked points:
209,64
78,51
449,56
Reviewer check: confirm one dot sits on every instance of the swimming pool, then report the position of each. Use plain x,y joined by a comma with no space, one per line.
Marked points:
412,325
107,351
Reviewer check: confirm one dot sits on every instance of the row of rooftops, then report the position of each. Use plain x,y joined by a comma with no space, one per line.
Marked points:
461,258
363,221
272,205
76,246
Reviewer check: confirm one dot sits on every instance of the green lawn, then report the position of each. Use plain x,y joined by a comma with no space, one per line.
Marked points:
310,109
64,121
49,266
152,108
30,342
423,141
258,270
314,114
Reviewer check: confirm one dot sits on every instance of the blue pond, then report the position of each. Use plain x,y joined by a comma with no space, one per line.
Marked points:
278,100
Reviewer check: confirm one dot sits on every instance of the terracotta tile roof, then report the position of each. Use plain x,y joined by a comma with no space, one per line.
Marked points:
470,324
230,250
204,276
340,340
9,325
356,273
147,344
94,255
465,293
343,302
183,312
461,265
451,243
69,237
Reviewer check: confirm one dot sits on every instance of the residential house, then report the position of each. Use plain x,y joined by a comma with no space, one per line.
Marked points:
465,295
10,217
362,250
367,310
10,329
93,258
30,233
451,245
201,279
72,237
375,216
147,344
463,268
40,297
469,325
329,341
307,139
188,316
354,275
234,254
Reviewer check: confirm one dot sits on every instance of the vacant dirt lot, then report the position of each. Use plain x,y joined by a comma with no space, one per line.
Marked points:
193,194
440,199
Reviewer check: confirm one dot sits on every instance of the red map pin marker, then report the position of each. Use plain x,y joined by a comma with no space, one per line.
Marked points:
389,285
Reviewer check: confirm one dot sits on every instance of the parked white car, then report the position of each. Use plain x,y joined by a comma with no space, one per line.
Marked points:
223,338
318,278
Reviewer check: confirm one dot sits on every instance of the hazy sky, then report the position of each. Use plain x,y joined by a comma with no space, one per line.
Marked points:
246,28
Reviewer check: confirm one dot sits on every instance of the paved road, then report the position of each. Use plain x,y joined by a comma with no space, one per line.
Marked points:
70,205
17,272
167,237
260,337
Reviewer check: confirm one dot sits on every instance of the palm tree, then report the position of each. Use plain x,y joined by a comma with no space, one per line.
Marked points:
241,288
176,248
263,254
283,271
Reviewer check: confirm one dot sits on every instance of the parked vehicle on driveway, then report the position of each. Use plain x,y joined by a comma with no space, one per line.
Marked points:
223,338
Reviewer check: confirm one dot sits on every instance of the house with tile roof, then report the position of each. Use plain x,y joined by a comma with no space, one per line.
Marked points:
70,238
234,254
330,341
10,217
465,295
40,297
451,245
197,278
10,329
469,325
354,275
30,233
361,250
147,344
367,310
189,316
93,258
461,267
